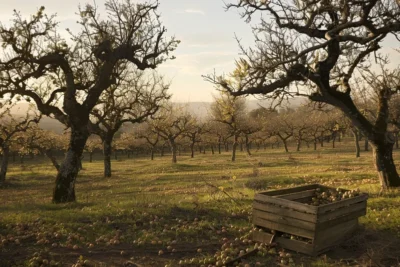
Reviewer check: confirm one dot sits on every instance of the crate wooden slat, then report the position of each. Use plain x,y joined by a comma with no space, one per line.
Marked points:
295,245
284,220
298,195
283,228
286,203
286,211
342,211
342,203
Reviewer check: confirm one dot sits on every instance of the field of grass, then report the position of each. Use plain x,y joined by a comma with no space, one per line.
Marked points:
155,213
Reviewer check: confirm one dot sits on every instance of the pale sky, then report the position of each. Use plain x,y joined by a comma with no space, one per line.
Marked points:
206,30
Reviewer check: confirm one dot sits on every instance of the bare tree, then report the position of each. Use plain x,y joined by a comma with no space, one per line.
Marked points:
92,145
171,123
151,137
137,96
10,126
194,133
230,111
37,63
315,49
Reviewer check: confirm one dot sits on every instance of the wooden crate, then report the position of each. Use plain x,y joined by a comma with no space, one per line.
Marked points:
319,227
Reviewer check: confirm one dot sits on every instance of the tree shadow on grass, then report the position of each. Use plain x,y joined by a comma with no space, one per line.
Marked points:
28,207
369,247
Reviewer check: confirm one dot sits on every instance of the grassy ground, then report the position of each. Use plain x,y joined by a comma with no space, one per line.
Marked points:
155,213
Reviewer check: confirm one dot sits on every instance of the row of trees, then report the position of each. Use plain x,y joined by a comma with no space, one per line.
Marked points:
68,80
228,125
92,83
327,51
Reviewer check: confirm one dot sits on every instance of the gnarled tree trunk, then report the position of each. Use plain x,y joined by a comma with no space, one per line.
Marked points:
366,144
234,146
357,142
152,154
64,190
248,145
192,150
384,164
174,150
4,164
107,147
52,158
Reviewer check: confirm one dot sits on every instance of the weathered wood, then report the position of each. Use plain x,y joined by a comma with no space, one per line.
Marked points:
339,220
290,190
342,211
283,228
334,235
342,203
298,195
294,245
286,203
284,211
284,220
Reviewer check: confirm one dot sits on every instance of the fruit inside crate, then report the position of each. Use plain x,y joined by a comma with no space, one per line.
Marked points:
317,195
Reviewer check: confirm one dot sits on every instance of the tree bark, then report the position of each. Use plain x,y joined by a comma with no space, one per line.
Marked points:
366,144
333,139
192,150
174,150
357,143
64,190
248,146
107,156
298,144
152,154
4,164
212,149
90,157
315,144
52,158
285,145
384,164
234,146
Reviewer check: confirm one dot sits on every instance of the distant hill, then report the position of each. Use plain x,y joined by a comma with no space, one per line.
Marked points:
200,109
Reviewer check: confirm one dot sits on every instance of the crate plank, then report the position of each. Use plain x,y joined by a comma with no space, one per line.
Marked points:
290,190
334,235
341,203
286,203
294,245
298,195
339,220
283,228
284,220
342,211
284,211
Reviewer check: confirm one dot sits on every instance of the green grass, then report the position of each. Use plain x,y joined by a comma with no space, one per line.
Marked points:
148,206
